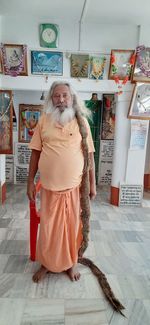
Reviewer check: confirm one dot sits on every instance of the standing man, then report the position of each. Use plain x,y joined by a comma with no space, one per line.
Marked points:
58,153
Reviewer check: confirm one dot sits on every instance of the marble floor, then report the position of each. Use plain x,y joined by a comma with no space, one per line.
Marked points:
119,244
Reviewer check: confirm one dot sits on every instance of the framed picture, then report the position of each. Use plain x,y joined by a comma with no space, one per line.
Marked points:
47,62
1,66
97,65
121,64
79,65
140,102
28,119
6,122
108,117
141,71
14,58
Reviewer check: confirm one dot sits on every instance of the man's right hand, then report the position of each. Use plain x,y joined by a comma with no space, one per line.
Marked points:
31,191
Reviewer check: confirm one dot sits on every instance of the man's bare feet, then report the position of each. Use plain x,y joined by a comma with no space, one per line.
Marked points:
73,273
39,275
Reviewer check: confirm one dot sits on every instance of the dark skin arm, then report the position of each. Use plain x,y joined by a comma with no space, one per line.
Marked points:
92,177
33,167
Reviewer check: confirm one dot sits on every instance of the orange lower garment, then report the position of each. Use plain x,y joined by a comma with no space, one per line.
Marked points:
60,229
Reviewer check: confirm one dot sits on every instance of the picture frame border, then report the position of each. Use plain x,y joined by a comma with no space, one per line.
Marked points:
9,151
47,72
1,63
134,78
25,71
110,75
23,107
131,106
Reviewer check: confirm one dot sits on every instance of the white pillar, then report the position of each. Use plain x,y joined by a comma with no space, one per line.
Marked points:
128,165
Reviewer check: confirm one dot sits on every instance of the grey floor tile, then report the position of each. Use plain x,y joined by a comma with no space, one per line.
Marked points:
119,246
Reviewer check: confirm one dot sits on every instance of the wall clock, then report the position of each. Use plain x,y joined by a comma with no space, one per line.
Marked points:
49,35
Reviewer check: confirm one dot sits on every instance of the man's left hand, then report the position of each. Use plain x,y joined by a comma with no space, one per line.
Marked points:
92,194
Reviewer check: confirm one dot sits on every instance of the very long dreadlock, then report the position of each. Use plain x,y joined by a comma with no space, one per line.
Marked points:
85,216
85,204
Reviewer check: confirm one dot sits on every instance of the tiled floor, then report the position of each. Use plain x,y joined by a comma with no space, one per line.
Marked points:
119,245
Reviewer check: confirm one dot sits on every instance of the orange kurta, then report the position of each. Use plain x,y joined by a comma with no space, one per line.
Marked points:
61,160
60,165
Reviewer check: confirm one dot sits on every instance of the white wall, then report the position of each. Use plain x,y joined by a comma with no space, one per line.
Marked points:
94,38
144,38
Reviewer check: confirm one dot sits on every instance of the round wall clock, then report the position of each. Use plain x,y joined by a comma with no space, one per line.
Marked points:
49,35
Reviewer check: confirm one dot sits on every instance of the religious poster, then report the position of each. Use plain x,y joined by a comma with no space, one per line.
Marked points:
97,64
28,119
108,117
6,122
79,65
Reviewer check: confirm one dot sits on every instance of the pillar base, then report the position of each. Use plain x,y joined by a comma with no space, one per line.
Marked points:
147,181
2,193
114,195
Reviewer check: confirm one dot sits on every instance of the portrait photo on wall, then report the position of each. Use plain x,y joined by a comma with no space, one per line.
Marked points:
140,102
6,122
121,64
108,117
28,119
47,62
97,64
14,59
79,65
141,72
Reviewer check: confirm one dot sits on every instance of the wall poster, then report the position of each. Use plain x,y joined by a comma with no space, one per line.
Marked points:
108,117
6,122
28,119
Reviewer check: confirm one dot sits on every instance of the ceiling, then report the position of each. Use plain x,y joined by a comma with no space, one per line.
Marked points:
135,12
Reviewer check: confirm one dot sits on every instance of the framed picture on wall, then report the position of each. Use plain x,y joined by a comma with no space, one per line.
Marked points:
47,62
141,72
6,122
14,58
79,65
1,66
97,64
28,118
108,117
121,64
140,102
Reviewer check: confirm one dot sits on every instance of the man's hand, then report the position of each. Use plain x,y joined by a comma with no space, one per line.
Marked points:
92,193
31,191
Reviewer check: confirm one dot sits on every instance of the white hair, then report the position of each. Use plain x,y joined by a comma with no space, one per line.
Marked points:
78,104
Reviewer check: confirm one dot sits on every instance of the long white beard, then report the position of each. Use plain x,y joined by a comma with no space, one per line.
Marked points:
62,117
